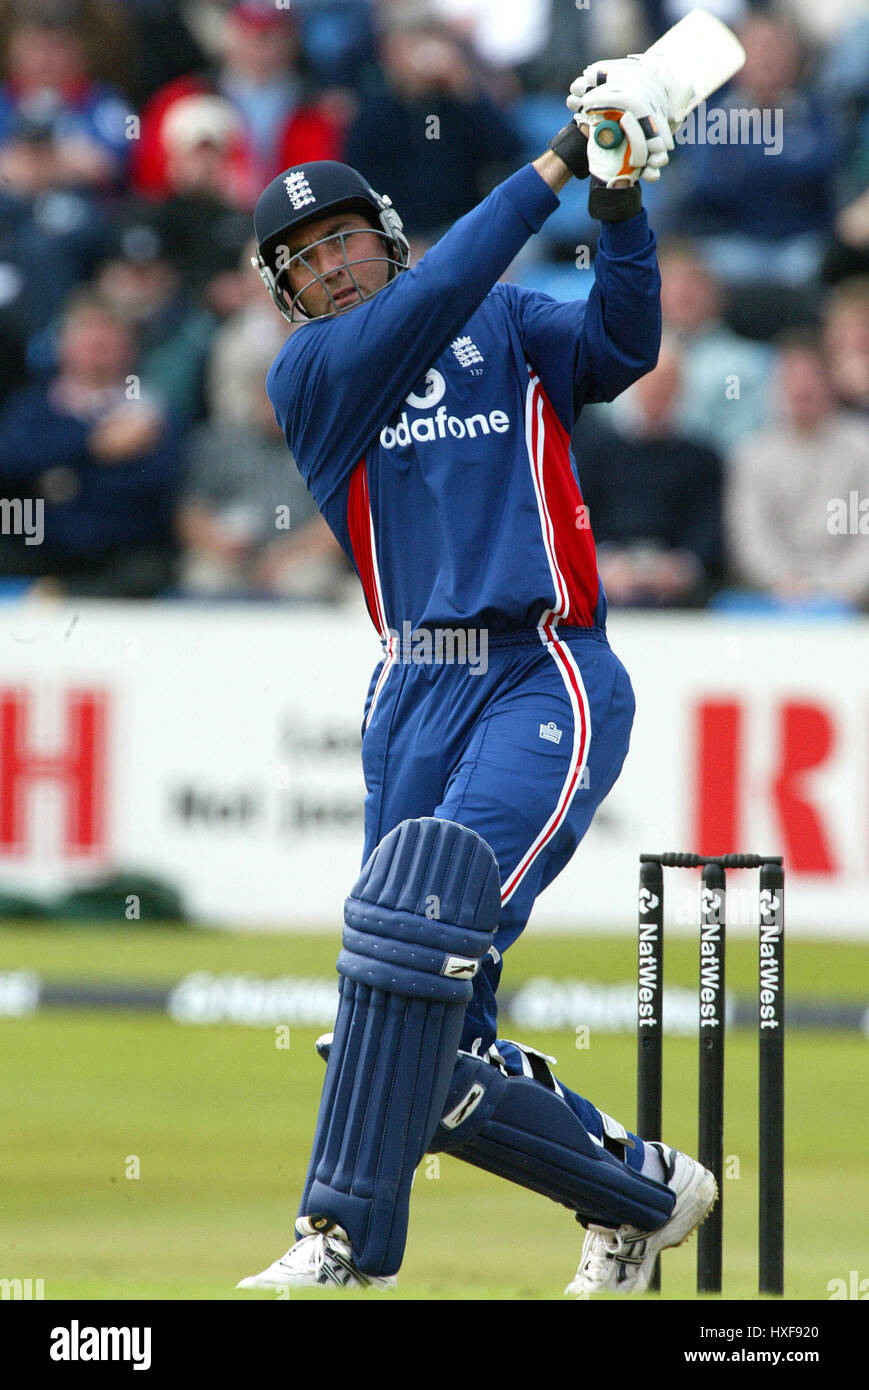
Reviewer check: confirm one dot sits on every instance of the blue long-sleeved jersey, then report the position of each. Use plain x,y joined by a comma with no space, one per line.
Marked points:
432,422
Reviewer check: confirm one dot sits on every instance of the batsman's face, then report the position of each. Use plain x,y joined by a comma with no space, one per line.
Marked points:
335,263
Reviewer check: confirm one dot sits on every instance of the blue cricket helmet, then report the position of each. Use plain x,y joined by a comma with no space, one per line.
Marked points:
305,194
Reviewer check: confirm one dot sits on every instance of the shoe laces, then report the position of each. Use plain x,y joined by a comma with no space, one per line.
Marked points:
611,1246
308,1255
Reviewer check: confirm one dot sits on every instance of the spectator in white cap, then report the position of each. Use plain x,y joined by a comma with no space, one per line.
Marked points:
201,224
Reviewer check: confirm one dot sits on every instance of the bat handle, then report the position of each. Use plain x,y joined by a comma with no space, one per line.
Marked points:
608,134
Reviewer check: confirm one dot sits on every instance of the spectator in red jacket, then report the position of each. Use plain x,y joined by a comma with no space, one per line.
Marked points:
281,123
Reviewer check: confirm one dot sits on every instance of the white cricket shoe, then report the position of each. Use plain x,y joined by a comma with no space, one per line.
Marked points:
622,1260
321,1257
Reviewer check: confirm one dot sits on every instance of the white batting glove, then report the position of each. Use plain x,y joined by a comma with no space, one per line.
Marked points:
641,99
675,99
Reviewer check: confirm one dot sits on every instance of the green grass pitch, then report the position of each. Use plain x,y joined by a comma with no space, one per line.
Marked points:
216,1122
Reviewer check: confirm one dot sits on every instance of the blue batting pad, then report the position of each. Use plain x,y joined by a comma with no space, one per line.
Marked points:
522,1130
421,915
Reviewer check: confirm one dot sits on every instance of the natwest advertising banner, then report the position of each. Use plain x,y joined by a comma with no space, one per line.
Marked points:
218,746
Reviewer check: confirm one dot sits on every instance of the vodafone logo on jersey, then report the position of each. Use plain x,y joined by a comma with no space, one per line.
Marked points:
425,429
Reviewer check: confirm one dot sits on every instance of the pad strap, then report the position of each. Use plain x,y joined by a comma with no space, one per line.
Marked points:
521,1130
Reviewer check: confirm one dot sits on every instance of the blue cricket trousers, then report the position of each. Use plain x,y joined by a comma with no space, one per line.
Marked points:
523,752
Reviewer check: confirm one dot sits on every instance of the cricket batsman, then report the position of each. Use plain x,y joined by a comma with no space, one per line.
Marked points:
430,412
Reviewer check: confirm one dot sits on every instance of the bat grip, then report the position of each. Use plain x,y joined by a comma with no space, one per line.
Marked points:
608,135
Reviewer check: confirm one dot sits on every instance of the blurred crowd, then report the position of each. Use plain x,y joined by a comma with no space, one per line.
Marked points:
135,136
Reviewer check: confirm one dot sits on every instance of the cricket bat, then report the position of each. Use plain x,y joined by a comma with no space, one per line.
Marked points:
700,48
